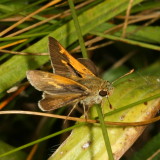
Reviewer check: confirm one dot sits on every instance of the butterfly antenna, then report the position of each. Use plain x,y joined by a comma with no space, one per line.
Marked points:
110,105
130,72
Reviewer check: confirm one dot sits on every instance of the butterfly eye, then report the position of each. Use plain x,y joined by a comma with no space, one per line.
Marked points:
103,93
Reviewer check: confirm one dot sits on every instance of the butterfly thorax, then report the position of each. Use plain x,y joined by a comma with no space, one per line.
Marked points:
97,89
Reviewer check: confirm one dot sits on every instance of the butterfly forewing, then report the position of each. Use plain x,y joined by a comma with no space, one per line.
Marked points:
55,84
64,64
89,64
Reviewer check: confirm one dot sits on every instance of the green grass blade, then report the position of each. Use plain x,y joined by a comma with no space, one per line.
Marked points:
39,140
147,34
115,38
77,26
20,155
104,131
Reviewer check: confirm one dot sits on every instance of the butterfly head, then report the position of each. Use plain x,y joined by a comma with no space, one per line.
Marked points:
106,89
101,89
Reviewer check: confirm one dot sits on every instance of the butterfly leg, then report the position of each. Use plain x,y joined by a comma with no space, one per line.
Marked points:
86,109
74,106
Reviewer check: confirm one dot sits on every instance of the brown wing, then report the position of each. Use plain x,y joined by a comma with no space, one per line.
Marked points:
52,102
54,84
89,64
64,64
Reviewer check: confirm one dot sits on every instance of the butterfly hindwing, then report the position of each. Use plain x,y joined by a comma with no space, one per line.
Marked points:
52,102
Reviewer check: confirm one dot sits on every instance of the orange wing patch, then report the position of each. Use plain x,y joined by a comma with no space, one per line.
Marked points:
76,64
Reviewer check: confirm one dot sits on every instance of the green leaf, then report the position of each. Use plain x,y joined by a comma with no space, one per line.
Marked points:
149,149
86,142
15,156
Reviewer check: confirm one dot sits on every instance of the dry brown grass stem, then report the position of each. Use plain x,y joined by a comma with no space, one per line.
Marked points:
28,16
127,18
81,119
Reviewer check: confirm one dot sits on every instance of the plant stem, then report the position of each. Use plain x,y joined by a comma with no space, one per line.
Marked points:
105,133
78,29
